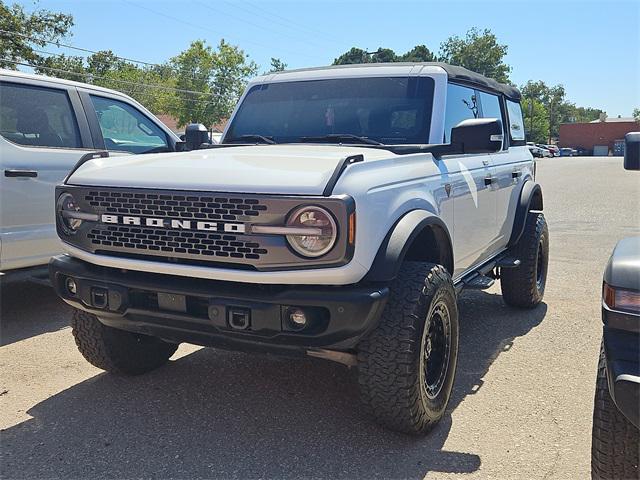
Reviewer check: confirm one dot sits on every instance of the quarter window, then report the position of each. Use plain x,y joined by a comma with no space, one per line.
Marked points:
462,104
126,129
37,116
516,124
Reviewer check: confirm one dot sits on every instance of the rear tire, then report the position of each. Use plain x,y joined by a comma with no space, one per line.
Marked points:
523,286
614,439
406,365
118,351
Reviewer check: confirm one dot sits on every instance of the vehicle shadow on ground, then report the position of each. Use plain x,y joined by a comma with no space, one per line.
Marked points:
29,309
215,414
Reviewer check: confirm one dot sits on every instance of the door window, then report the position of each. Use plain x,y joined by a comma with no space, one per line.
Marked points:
126,129
516,124
491,107
37,116
462,104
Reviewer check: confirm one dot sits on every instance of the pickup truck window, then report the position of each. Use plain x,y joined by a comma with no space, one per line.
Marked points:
390,110
126,129
37,116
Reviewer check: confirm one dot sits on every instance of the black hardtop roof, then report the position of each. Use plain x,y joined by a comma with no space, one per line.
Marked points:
455,73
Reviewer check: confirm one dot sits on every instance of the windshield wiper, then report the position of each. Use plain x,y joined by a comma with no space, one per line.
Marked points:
254,137
341,136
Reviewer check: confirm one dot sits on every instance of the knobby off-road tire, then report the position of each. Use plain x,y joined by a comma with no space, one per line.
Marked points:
614,439
118,351
524,285
400,382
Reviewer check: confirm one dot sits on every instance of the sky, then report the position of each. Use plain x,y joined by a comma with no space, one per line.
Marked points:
590,47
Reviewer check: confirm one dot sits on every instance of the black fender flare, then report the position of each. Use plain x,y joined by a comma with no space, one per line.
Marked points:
530,199
398,240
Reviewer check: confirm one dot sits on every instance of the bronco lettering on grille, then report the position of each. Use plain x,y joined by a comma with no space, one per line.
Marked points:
173,223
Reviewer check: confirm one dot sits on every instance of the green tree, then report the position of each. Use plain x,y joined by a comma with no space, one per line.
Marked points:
16,25
636,114
277,65
479,51
355,55
69,67
536,120
419,53
219,77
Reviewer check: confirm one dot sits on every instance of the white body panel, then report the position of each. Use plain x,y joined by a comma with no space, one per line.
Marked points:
27,223
270,169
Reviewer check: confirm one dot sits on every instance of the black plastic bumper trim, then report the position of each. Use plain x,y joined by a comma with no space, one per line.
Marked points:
339,316
622,352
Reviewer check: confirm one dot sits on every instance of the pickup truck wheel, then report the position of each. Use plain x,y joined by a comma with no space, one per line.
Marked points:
406,365
524,285
614,439
118,351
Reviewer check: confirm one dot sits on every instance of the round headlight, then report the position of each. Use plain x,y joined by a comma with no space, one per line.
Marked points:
66,205
316,244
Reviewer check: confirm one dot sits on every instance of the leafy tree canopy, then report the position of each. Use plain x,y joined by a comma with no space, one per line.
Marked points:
40,24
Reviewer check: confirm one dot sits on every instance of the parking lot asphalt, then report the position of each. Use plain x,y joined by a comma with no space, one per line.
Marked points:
521,406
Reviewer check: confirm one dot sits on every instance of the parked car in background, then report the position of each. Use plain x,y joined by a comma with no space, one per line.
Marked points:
568,152
46,126
552,149
539,152
583,152
615,449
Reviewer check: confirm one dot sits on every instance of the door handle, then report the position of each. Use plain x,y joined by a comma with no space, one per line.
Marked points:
20,173
516,174
488,181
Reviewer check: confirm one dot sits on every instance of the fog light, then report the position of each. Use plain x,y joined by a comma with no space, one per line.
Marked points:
298,318
72,288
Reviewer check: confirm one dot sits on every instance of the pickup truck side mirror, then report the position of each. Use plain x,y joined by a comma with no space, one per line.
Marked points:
195,135
632,151
477,135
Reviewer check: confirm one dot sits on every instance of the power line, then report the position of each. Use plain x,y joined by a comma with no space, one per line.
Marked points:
86,50
126,82
282,18
256,25
194,25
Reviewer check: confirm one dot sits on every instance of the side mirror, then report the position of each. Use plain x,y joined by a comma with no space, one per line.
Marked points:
195,135
477,135
632,151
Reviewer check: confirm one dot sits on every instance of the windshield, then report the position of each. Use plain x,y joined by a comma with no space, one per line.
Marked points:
389,110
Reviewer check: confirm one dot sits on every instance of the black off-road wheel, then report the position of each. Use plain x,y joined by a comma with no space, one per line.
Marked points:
523,286
406,365
614,439
118,351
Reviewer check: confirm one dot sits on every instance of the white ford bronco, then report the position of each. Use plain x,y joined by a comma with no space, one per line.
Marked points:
340,217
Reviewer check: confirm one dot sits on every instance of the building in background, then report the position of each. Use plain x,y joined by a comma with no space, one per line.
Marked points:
600,137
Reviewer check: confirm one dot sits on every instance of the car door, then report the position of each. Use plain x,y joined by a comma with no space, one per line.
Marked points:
510,164
474,204
43,134
123,128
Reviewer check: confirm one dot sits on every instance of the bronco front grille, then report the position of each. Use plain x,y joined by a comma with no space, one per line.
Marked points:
191,207
196,227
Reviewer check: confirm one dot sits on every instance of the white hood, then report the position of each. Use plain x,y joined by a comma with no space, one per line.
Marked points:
278,169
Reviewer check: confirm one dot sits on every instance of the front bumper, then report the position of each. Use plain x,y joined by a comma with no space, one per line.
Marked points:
622,353
202,311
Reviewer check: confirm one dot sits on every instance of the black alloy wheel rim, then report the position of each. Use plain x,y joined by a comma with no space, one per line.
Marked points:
540,267
436,350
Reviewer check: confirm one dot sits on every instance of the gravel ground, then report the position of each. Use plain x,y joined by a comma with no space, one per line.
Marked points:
521,407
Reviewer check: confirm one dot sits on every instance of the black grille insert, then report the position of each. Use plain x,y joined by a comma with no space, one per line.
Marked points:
191,207
179,242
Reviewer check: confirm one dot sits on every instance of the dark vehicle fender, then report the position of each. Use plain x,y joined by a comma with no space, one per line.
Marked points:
418,236
530,199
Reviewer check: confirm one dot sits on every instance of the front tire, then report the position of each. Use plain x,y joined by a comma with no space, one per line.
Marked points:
614,439
406,365
118,351
523,286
